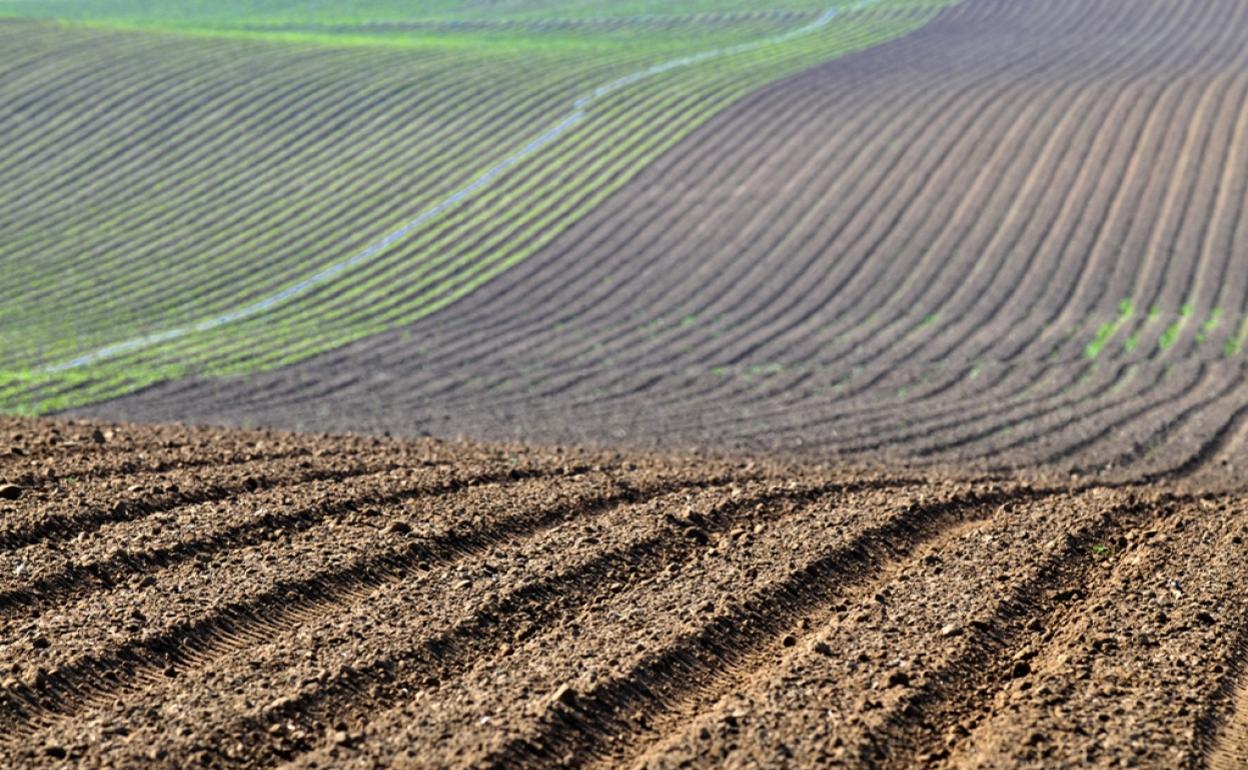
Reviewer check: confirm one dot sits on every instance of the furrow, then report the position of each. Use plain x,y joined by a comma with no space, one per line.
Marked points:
77,578
1226,735
997,650
57,527
62,692
542,605
1141,670
605,720
435,655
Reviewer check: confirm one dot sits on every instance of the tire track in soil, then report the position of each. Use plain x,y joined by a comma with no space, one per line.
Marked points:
1225,734
117,458
1142,659
600,724
531,605
616,714
58,527
914,731
451,653
1158,64
77,579
69,689
280,554
816,694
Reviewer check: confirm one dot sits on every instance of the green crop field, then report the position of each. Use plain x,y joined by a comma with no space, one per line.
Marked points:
215,188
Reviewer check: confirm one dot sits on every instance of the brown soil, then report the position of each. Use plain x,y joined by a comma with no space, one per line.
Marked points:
1015,555
176,597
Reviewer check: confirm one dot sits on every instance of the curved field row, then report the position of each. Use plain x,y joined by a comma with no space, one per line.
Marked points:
1012,237
474,606
297,113
466,115
630,23
216,14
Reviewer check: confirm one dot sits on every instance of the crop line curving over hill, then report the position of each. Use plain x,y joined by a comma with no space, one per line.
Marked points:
662,384
456,198
199,298
1008,238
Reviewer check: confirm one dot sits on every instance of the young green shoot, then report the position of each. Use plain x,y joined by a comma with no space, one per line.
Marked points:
1107,330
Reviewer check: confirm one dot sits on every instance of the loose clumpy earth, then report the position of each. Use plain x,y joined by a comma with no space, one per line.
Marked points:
177,597
959,321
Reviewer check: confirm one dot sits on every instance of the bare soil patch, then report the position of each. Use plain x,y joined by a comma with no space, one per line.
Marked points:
186,597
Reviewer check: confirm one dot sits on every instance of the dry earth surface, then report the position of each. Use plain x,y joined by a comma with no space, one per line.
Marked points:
190,597
990,275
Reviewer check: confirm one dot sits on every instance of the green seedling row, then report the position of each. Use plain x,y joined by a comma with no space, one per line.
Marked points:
372,313
1211,323
1107,330
145,261
1172,332
242,266
196,282
1235,345
353,287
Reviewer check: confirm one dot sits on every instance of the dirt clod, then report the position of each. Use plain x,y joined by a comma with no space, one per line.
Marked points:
544,618
899,679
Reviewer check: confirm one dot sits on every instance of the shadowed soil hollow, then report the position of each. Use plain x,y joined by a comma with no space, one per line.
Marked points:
174,597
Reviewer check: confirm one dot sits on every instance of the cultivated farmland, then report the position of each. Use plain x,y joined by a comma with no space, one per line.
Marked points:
238,199
177,597
1012,237
706,385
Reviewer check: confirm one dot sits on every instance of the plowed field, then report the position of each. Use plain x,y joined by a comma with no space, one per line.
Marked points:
1011,238
179,597
861,386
